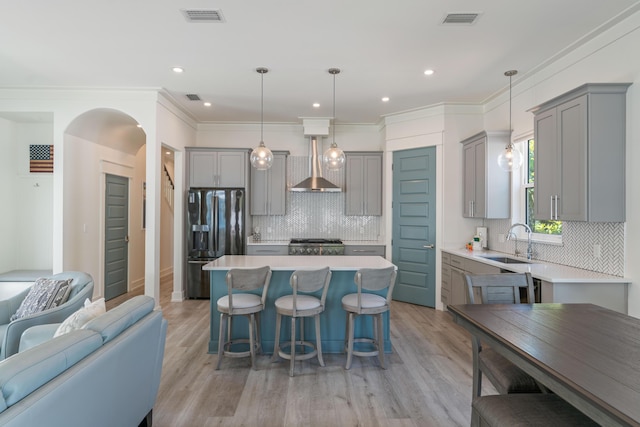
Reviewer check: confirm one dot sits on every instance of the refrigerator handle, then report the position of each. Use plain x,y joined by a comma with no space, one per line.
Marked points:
216,224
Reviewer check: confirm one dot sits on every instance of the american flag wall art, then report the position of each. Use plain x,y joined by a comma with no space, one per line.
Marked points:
41,158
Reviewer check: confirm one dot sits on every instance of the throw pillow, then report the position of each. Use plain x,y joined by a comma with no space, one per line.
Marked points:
43,295
77,320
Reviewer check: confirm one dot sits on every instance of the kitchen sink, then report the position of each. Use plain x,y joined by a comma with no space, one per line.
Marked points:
507,260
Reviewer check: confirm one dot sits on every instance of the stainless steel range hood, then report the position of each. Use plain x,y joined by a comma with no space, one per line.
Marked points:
315,183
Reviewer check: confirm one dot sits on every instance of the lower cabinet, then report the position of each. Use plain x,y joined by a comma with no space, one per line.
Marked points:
267,250
364,250
454,285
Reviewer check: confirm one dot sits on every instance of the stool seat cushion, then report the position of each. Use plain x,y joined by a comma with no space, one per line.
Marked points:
534,409
303,302
240,301
367,300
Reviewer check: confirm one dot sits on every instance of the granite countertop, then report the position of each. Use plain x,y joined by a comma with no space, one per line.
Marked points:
294,262
554,273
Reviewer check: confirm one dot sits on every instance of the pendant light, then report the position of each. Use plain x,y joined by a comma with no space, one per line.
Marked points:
261,157
334,158
510,159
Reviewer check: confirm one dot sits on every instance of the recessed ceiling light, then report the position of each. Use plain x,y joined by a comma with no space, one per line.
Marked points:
428,72
168,153
139,125
316,105
385,99
178,70
207,104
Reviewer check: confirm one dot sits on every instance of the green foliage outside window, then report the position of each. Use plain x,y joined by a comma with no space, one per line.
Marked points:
537,226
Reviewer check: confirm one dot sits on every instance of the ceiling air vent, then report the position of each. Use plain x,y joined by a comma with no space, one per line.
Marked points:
203,15
460,18
193,97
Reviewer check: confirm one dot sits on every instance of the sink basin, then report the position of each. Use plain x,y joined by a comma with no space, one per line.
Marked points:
507,260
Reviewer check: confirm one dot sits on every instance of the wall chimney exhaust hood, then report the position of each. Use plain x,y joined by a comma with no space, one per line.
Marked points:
315,183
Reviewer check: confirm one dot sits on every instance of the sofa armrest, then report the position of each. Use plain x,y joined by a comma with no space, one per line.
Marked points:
36,335
15,329
23,373
9,306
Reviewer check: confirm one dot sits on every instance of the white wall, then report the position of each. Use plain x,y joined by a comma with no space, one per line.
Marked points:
8,213
26,223
606,58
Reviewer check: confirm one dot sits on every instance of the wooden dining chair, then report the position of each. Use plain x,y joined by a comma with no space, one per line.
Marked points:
499,289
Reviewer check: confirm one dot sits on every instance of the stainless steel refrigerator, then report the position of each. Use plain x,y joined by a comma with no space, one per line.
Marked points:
215,227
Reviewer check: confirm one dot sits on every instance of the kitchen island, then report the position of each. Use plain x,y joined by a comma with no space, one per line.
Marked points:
332,321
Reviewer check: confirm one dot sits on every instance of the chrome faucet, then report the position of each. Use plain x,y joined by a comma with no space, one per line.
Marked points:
510,234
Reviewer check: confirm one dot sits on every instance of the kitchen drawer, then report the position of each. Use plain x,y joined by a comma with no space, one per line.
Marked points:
364,250
446,258
457,261
267,250
444,296
477,267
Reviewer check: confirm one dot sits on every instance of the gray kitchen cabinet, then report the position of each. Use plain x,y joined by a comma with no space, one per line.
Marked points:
486,189
580,155
268,188
364,250
445,275
267,250
364,183
456,267
217,168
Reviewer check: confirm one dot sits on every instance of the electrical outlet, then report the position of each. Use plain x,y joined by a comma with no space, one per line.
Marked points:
597,251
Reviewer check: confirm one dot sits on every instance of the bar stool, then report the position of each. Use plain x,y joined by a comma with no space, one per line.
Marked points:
245,304
363,303
299,306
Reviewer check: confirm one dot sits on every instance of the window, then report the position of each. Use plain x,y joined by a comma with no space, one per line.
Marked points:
544,230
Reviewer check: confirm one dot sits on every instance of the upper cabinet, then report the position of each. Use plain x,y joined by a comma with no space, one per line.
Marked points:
486,187
580,155
363,183
269,188
217,168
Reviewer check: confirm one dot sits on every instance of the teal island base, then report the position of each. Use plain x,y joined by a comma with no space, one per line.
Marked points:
333,320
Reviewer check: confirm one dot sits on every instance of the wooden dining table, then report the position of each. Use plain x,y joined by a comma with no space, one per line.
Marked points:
586,354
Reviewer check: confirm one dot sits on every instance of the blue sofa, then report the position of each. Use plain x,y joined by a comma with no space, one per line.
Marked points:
10,332
103,375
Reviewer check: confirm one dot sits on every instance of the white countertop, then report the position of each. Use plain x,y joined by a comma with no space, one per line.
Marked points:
298,262
250,241
546,271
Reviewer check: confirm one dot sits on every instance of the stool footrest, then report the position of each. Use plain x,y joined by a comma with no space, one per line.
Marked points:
299,355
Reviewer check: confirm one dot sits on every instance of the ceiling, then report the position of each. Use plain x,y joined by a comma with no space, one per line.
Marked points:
381,47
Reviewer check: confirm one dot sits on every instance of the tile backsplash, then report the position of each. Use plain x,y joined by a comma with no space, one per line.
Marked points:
576,250
316,214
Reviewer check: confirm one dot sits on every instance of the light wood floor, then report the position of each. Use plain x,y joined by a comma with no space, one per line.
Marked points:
427,383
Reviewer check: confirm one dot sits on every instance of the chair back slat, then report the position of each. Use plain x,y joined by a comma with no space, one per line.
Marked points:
248,279
499,288
310,280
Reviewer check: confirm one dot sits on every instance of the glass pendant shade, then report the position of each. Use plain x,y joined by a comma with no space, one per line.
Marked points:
510,159
334,157
261,157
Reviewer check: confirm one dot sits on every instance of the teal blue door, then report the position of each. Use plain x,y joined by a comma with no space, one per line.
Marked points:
414,225
116,236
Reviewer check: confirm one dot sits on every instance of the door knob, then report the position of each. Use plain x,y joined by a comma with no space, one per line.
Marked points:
126,239
429,246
